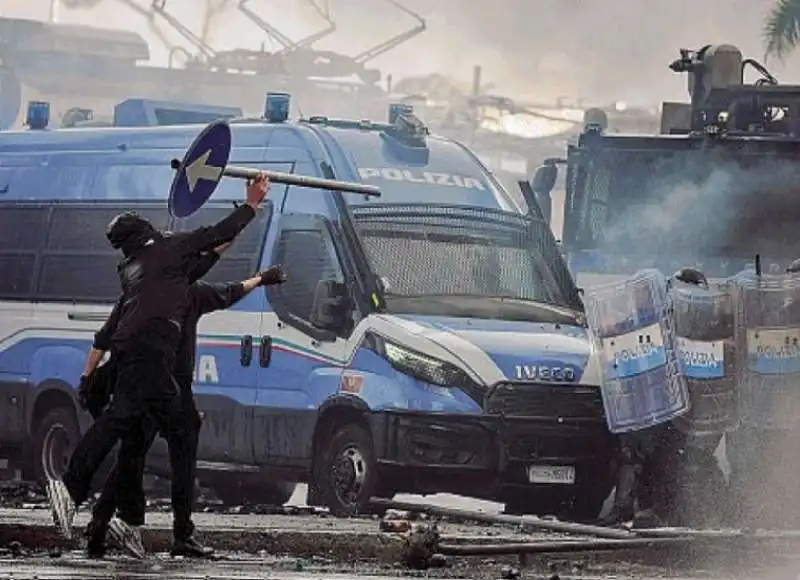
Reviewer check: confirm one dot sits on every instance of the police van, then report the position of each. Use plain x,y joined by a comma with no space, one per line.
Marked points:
429,340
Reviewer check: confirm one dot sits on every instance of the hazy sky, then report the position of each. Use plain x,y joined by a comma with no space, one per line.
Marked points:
534,49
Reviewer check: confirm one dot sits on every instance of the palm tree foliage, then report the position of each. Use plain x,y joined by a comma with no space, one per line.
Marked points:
782,28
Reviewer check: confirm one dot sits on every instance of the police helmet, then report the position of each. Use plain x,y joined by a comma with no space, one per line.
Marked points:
126,226
691,276
794,267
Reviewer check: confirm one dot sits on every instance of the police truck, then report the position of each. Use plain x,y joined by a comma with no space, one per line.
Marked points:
429,340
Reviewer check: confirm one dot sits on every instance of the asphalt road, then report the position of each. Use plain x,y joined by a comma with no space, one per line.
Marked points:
73,566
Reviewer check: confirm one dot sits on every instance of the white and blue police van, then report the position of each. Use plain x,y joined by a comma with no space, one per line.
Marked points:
429,340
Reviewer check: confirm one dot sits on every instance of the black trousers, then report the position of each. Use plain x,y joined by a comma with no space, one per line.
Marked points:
146,398
123,491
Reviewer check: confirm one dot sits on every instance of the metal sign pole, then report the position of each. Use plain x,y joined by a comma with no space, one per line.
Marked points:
198,174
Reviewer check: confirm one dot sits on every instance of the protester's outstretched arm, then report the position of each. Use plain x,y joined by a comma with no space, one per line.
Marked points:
205,262
213,297
207,237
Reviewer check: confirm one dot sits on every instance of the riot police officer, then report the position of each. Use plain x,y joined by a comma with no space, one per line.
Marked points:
649,461
154,278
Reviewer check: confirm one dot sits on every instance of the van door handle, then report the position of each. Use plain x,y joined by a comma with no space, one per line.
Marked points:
246,351
87,316
265,353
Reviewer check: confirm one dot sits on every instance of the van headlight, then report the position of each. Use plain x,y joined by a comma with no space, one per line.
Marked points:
420,366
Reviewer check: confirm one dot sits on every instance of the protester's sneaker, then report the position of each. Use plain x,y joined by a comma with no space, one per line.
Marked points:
191,548
61,506
96,539
127,537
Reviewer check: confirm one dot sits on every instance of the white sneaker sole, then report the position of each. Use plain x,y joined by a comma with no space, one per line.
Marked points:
126,537
61,507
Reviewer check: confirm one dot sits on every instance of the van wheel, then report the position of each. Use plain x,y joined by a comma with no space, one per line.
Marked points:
54,440
348,474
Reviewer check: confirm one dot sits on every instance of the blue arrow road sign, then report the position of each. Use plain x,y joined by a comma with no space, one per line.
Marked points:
201,169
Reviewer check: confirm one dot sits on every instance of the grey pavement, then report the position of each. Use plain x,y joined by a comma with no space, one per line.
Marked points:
73,566
273,523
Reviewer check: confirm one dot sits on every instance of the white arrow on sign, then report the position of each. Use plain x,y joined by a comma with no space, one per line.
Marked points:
199,169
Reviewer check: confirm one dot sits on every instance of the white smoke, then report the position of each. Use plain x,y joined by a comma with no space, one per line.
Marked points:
687,208
530,50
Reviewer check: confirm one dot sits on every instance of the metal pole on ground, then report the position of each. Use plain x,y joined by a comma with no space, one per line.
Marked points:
523,521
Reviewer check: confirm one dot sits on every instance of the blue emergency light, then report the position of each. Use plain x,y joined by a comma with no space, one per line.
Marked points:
276,108
397,109
38,115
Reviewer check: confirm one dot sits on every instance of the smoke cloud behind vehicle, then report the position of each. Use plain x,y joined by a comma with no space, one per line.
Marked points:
694,206
539,50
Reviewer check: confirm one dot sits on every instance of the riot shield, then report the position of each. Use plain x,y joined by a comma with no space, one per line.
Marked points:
704,340
631,328
767,330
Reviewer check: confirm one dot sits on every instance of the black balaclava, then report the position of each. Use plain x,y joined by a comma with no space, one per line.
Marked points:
129,232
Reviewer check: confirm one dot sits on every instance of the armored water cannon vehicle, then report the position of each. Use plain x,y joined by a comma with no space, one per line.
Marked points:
715,187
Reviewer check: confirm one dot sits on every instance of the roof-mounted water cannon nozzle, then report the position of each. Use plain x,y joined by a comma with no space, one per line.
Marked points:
276,107
686,63
38,116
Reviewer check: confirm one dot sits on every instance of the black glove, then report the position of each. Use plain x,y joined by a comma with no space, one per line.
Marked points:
83,392
94,390
273,275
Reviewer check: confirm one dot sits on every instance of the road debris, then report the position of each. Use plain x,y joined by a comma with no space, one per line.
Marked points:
523,522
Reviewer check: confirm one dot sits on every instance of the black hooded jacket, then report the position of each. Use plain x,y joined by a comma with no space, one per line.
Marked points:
155,281
203,298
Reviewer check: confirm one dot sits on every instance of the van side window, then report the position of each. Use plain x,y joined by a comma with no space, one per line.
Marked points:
78,263
308,257
22,233
59,252
241,260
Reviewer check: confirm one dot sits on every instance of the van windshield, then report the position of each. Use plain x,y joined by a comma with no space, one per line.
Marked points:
452,259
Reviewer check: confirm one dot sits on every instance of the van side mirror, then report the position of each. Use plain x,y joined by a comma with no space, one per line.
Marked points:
544,180
538,208
331,306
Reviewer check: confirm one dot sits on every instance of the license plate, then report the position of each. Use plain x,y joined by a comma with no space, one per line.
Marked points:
564,474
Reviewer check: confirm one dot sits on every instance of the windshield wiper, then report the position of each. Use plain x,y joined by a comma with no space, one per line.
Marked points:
480,306
564,311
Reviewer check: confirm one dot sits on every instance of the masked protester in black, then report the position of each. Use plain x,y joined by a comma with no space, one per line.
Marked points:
120,491
154,277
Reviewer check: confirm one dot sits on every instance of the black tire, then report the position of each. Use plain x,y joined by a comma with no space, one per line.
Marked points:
348,474
232,491
54,439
